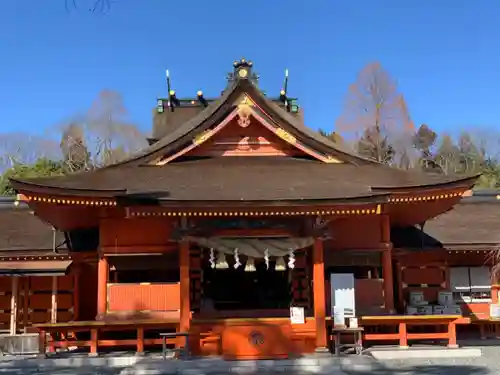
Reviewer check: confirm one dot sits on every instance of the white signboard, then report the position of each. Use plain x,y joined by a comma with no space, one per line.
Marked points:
297,315
338,317
342,287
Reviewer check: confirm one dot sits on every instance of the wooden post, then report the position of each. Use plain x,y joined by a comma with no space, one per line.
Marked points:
76,292
387,264
53,308
140,340
102,286
399,282
494,292
26,301
94,342
452,334
319,295
13,305
403,336
185,318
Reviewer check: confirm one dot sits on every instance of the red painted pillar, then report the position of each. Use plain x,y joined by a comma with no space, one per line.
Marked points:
319,295
185,318
76,291
102,286
387,263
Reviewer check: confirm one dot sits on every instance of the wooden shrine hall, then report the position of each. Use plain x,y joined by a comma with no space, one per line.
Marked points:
236,212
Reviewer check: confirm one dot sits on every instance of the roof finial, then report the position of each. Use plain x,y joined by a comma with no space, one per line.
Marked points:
172,98
242,68
284,92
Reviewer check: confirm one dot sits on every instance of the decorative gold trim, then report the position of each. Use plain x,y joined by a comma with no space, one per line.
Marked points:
30,258
243,73
329,159
283,134
65,201
200,138
244,111
424,198
245,102
366,211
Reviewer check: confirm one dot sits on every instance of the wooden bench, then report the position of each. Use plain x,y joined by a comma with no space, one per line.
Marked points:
97,327
403,321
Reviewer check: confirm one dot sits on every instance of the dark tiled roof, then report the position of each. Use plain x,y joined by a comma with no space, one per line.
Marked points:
218,109
242,178
166,122
467,223
245,178
24,233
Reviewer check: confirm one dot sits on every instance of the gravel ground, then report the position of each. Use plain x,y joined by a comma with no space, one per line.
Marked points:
488,364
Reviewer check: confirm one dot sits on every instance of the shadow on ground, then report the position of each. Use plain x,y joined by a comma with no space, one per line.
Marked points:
422,370
59,371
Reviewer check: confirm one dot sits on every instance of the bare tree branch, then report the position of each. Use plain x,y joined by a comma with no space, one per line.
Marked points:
100,6
21,148
377,117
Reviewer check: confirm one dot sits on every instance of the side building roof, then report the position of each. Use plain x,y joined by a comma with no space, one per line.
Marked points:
24,234
471,224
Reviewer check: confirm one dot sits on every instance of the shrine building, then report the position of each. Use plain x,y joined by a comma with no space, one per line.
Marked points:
234,214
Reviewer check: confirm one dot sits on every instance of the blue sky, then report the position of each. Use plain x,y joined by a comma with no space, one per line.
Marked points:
444,55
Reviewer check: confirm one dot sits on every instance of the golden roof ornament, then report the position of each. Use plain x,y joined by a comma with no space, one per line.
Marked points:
243,70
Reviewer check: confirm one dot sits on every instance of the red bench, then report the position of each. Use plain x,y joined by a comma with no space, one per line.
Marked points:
95,328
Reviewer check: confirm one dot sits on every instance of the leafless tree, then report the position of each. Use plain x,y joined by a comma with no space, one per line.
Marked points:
94,6
74,149
22,148
102,136
448,156
472,152
377,117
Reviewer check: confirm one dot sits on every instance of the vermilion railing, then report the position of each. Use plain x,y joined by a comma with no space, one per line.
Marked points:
143,297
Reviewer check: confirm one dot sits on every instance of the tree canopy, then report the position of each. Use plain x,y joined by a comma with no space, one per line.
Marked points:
42,167
100,136
376,122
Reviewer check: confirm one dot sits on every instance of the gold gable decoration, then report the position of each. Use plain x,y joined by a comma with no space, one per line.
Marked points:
283,134
245,102
200,138
244,110
329,159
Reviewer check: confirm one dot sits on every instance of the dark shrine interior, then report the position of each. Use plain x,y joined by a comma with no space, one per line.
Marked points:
236,289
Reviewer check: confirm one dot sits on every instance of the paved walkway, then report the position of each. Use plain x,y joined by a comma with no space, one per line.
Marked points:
131,365
487,364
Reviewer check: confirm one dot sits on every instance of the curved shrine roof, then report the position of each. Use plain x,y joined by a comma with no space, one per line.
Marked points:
249,178
242,179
